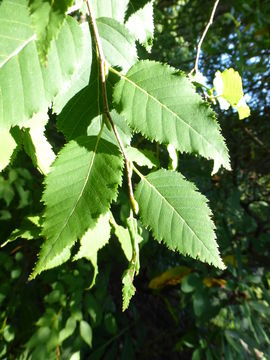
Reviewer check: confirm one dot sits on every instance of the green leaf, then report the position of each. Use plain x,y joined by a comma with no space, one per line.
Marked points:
15,29
139,157
120,125
93,240
29,230
86,332
123,236
36,144
161,103
7,146
47,18
27,87
80,187
115,9
178,215
141,25
68,329
80,79
128,290
118,43
78,112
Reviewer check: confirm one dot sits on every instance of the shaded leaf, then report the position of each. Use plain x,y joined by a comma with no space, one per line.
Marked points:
172,276
86,332
128,290
93,240
7,146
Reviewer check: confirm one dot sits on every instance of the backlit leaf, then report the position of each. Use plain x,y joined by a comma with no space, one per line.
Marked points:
80,187
141,24
115,9
178,215
47,18
161,103
118,43
27,87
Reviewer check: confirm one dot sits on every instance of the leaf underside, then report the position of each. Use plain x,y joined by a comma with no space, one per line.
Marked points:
118,43
80,187
114,9
15,29
162,104
178,215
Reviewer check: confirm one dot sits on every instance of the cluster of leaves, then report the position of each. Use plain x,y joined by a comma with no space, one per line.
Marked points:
150,98
56,317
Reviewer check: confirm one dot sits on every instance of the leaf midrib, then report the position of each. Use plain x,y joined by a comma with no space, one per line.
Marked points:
174,211
162,105
79,197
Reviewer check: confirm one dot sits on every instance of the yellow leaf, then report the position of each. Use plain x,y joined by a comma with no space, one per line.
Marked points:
210,282
172,276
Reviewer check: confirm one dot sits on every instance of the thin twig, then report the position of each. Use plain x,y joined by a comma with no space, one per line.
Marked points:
256,139
102,63
210,22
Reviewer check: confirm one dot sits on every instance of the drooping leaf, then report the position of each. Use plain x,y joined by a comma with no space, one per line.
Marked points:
93,240
47,18
115,9
162,105
178,215
15,29
128,290
36,145
118,43
80,187
27,87
7,146
141,24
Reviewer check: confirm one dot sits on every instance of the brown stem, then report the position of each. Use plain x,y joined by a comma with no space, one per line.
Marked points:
210,22
102,63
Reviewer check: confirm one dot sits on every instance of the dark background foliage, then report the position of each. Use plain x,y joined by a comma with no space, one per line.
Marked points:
207,314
